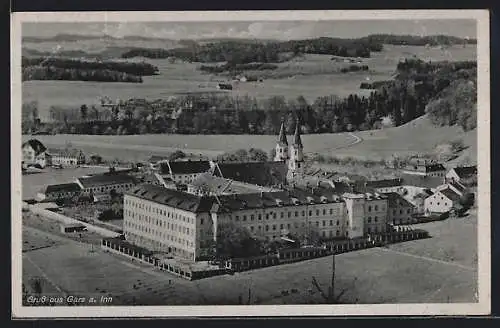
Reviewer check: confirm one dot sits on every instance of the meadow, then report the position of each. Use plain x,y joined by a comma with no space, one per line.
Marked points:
310,76
401,273
417,137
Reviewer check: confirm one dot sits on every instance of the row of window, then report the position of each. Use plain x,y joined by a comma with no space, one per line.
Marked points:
375,208
408,211
155,221
164,235
110,187
274,215
159,211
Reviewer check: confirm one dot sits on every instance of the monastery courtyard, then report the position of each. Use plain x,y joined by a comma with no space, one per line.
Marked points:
439,269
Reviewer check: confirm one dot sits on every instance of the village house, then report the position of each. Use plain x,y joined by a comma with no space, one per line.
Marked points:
224,86
66,157
100,186
442,201
385,186
457,187
155,161
183,172
425,167
467,175
64,191
400,211
34,153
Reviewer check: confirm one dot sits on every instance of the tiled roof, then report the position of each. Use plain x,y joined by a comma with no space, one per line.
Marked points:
64,187
421,181
457,186
185,167
396,200
434,168
106,179
219,185
65,152
36,145
452,195
196,204
258,173
157,158
173,198
466,172
384,183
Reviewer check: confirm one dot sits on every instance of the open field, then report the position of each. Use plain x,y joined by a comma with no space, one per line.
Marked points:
402,273
418,136
34,183
311,77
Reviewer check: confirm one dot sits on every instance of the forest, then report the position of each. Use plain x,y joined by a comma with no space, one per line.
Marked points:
444,90
57,68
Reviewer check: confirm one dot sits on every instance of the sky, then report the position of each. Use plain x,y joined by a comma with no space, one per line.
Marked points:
282,30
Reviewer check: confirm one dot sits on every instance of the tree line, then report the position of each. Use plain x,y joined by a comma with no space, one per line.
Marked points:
441,89
57,68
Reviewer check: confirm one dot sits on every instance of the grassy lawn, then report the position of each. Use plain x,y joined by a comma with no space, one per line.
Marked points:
411,272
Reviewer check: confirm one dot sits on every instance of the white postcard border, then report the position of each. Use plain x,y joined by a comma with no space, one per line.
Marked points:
484,257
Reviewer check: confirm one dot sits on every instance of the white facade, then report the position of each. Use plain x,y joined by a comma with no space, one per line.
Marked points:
438,203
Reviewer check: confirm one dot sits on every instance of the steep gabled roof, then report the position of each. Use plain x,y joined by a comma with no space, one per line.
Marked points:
173,198
387,183
184,167
396,200
297,140
106,179
450,194
64,187
282,140
466,171
36,145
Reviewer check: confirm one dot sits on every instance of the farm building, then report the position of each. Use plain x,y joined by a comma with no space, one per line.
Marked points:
464,174
67,157
100,186
34,153
425,167
224,86
183,172
442,201
385,186
63,191
400,211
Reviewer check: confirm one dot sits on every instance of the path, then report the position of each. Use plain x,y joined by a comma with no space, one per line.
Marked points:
357,140
428,259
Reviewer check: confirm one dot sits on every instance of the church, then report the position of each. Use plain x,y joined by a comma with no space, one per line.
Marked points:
292,155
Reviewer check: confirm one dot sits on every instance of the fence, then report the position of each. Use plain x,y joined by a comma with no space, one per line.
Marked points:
67,220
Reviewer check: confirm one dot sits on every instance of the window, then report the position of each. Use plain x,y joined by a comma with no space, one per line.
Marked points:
408,210
252,217
201,221
331,211
324,212
331,222
369,230
282,215
375,219
324,223
296,213
310,213
317,223
244,217
237,218
369,208
267,216
303,213
338,222
337,233
317,212
376,207
274,215
281,226
267,227
260,216
289,214
369,219
251,228
274,226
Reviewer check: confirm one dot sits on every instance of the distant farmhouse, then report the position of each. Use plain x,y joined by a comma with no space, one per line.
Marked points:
34,153
100,186
425,167
465,174
66,157
224,86
64,191
443,200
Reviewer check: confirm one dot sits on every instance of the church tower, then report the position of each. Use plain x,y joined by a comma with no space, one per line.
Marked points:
282,145
296,162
